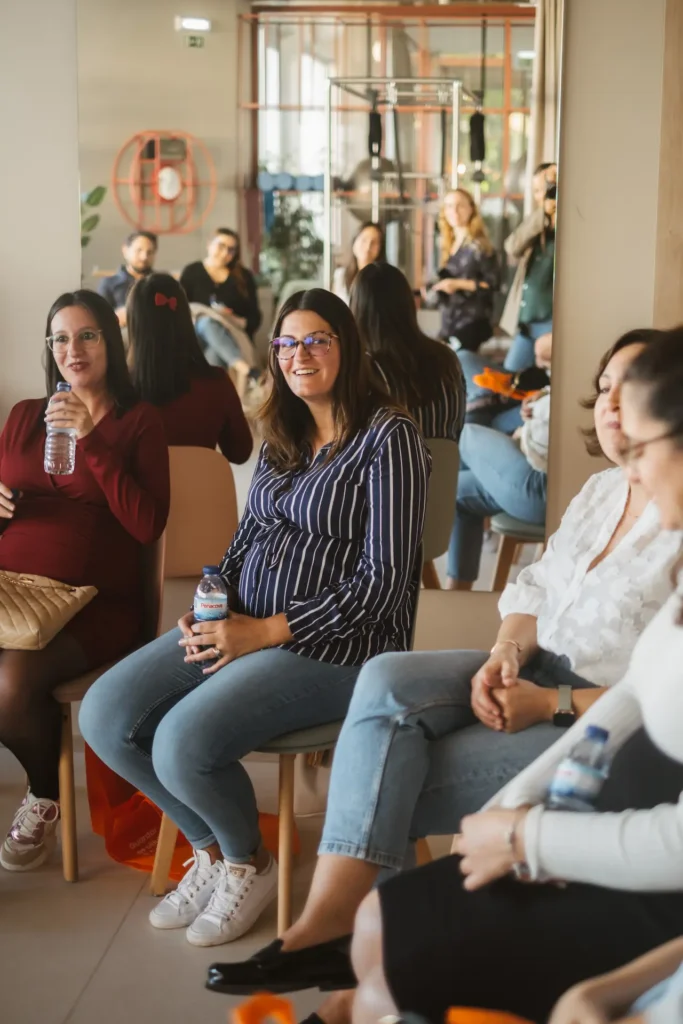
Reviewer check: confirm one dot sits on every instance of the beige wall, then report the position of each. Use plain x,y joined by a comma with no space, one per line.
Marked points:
607,220
39,248
135,73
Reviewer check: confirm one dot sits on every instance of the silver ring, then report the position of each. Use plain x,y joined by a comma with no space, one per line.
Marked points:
216,652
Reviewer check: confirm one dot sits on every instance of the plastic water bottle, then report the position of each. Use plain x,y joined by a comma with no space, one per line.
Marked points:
580,776
60,446
211,596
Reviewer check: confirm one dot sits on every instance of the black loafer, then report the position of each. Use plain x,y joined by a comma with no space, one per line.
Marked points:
326,967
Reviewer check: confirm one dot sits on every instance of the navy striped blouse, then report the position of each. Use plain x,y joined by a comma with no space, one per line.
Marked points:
335,546
443,417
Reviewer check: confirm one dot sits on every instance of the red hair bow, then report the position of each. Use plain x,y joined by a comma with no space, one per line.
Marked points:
163,300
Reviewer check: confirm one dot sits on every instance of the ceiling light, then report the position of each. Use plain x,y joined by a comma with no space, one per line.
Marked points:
526,54
192,25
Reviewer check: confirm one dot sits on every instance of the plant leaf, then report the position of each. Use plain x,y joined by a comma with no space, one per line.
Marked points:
91,222
85,239
95,196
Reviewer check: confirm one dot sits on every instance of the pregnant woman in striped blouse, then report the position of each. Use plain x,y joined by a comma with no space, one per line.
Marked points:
323,575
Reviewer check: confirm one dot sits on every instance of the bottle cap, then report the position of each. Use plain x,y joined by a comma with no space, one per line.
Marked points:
211,570
596,732
63,386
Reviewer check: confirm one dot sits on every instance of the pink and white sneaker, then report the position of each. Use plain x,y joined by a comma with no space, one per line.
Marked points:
32,837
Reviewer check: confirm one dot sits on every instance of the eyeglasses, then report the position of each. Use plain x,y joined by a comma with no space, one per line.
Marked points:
632,451
87,337
316,344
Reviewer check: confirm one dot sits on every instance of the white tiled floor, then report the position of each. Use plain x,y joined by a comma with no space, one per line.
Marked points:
85,953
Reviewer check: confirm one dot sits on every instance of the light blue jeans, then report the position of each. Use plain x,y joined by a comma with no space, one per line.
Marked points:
411,762
494,477
521,354
178,736
220,347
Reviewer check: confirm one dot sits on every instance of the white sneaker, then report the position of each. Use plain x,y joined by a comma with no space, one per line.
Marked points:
180,907
32,836
240,897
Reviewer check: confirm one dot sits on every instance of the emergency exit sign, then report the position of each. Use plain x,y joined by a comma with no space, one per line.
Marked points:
195,42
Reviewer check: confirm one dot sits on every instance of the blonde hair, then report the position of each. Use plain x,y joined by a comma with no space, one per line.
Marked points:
476,229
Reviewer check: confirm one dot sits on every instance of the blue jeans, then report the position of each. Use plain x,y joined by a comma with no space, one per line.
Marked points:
494,477
178,736
521,353
412,759
221,349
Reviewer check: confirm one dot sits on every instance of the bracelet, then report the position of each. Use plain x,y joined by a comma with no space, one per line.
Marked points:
513,642
520,868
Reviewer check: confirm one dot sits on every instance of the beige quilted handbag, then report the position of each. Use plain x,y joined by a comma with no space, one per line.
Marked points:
33,609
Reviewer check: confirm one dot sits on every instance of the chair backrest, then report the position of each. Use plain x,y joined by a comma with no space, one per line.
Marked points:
443,485
203,515
153,557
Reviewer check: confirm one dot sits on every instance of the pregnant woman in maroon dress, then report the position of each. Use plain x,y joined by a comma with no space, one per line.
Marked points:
86,528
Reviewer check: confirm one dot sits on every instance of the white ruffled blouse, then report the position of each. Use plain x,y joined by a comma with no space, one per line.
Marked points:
596,617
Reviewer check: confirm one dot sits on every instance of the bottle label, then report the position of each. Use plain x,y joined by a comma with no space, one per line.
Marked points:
578,781
210,606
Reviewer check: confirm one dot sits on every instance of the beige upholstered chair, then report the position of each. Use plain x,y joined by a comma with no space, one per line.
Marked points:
443,486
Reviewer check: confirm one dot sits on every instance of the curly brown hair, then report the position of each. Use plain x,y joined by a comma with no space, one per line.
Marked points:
357,395
638,336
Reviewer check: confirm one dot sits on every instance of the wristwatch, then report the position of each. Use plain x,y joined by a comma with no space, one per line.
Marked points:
565,714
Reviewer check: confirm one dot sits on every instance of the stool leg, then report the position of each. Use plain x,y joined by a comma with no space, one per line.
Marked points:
67,798
506,553
285,843
430,577
168,833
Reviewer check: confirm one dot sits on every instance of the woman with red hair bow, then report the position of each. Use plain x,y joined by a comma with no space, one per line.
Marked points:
198,402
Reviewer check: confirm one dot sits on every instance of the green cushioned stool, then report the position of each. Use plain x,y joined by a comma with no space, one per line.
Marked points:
513,532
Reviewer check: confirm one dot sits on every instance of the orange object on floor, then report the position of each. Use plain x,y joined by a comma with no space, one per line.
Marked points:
502,384
472,1015
129,822
264,1006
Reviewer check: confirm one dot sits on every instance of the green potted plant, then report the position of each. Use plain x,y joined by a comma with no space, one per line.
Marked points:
89,221
291,249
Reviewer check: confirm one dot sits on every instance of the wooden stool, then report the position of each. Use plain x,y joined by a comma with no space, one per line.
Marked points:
512,532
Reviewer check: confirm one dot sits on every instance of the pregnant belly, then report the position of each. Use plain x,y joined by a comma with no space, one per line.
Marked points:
72,542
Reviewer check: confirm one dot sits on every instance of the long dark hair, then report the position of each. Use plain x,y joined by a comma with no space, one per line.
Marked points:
286,419
638,336
119,384
235,266
417,366
352,265
658,371
165,353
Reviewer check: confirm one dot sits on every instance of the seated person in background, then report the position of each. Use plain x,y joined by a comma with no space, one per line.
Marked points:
528,310
367,247
85,529
507,414
498,474
648,990
198,402
468,280
431,736
419,373
139,251
324,566
228,289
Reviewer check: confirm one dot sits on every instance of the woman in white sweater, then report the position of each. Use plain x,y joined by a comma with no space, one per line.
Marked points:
614,880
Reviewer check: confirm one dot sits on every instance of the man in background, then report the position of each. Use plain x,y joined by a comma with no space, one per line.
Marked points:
139,251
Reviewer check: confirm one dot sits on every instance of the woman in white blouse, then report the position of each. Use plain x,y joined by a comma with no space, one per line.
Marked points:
614,879
412,758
